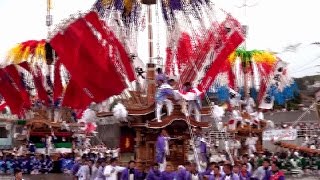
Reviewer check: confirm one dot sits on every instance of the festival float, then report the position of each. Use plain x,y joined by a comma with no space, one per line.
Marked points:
63,94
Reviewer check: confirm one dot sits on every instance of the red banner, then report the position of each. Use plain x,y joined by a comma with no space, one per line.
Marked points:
234,40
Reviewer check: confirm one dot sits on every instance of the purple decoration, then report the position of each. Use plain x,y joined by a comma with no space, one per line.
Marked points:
176,4
118,4
164,11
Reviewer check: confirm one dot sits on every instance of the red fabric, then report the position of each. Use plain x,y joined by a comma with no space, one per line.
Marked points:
231,44
184,52
10,93
58,88
110,37
25,65
14,74
168,67
38,81
277,175
75,97
87,62
262,91
90,127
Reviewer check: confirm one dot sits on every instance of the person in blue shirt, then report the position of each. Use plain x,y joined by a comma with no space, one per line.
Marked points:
164,91
35,165
2,165
25,165
161,77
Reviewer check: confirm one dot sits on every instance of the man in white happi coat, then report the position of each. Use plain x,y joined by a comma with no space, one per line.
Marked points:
249,104
111,171
251,143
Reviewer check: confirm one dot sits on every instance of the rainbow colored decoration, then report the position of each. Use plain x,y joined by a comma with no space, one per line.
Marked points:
30,51
258,72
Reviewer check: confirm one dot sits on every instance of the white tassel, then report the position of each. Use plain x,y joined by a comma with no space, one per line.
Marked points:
120,111
89,115
218,112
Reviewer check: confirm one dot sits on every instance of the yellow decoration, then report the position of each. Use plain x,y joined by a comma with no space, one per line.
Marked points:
264,57
128,4
259,57
19,53
106,2
232,58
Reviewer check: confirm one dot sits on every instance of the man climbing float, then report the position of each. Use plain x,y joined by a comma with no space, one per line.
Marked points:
164,91
192,96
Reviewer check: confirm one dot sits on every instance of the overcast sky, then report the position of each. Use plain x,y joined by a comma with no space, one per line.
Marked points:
273,25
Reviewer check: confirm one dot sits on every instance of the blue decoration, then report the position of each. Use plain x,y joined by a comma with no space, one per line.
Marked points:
288,93
222,93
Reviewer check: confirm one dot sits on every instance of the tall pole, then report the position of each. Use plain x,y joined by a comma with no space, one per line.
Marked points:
245,26
50,67
49,16
150,34
151,84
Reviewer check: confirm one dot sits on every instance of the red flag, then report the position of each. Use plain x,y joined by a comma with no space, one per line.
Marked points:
10,93
17,79
57,88
75,97
110,37
231,44
168,68
87,61
184,52
38,81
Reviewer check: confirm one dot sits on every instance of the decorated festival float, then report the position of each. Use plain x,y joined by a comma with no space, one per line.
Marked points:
88,74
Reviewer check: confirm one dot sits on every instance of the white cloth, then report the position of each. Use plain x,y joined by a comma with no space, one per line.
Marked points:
192,106
260,116
162,166
194,177
159,106
251,143
83,173
250,104
131,176
111,172
259,173
94,173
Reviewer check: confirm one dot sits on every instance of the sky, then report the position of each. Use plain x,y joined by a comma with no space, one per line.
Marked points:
273,25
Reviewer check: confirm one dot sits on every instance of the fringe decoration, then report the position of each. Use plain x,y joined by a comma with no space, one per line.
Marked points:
34,50
184,51
120,111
